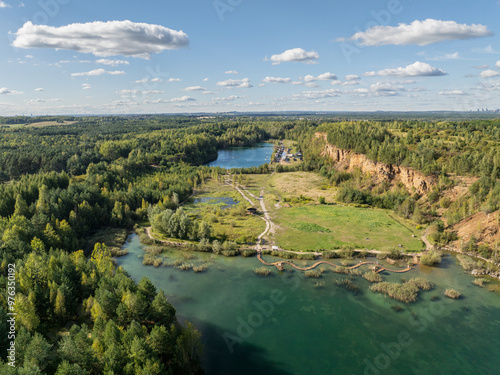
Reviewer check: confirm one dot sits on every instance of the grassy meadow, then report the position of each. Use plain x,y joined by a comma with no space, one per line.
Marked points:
227,221
317,227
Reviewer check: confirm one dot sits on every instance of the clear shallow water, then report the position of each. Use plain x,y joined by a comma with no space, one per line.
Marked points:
244,157
283,325
226,201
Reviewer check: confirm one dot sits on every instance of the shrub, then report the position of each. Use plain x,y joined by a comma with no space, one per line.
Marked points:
341,269
395,254
445,202
305,256
347,252
468,264
185,266
230,253
452,293
406,292
154,250
157,262
319,284
148,260
329,255
248,253
347,284
372,277
262,271
430,259
200,268
480,282
312,273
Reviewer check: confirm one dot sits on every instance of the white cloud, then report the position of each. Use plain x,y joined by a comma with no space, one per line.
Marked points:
98,72
35,101
4,5
208,93
86,86
295,55
230,98
112,62
326,77
419,32
102,38
489,73
311,84
240,83
29,56
182,99
154,80
206,79
446,56
451,92
74,61
6,91
361,91
345,83
352,77
498,64
39,89
126,103
318,94
322,77
194,88
482,66
231,72
382,89
386,88
276,80
487,49
417,69
174,80
136,92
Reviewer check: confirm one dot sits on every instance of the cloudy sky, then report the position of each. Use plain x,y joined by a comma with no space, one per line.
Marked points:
86,57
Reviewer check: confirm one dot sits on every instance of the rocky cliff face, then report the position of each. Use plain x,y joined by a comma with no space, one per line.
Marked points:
347,160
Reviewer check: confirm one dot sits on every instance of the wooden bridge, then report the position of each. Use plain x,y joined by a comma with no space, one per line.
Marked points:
280,265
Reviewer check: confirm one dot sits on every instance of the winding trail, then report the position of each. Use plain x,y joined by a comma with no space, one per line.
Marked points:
279,265
269,223
428,245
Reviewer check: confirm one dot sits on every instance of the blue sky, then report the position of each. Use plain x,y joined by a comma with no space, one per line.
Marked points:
99,57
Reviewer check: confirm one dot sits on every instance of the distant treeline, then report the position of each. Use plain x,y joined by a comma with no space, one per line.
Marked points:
72,148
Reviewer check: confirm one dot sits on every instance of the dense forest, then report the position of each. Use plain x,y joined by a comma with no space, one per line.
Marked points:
78,313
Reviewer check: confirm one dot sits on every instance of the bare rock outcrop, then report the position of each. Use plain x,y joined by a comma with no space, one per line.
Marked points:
413,180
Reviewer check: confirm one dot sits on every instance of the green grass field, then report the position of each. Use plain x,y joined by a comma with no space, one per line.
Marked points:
230,222
317,227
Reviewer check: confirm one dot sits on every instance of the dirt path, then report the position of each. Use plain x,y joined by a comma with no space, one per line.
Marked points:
269,223
428,245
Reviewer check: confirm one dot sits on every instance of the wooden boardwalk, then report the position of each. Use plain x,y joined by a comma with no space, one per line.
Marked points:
279,265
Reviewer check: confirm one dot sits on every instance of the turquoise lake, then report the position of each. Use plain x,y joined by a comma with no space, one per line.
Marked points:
282,324
244,157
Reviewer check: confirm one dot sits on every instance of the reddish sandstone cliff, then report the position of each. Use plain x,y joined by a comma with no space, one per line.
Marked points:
413,180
